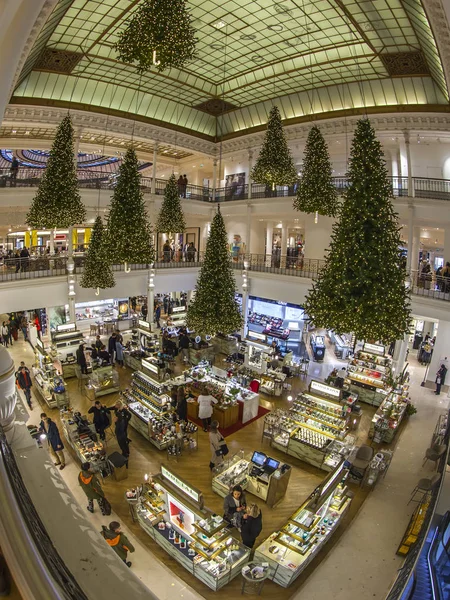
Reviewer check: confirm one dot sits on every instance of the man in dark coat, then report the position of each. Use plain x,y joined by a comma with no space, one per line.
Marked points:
101,418
55,444
112,347
121,411
23,381
81,359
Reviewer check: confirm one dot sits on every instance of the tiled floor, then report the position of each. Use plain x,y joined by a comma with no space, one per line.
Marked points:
363,562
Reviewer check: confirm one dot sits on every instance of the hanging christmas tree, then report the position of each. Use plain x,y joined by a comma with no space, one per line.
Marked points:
128,238
214,308
316,192
274,165
57,202
159,34
171,217
361,288
97,272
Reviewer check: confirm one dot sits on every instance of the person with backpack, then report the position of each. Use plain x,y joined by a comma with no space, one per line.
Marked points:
118,541
90,485
23,381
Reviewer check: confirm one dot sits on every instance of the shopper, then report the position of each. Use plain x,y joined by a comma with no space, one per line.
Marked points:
119,353
37,324
121,434
112,347
180,184
251,525
144,311
183,344
13,170
190,252
23,381
205,408
118,541
120,410
81,359
167,251
98,343
340,378
174,397
217,445
24,328
185,184
234,504
104,354
440,379
158,315
5,334
24,259
55,444
91,487
181,404
101,418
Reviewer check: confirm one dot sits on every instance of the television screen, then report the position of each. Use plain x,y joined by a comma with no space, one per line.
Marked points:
259,458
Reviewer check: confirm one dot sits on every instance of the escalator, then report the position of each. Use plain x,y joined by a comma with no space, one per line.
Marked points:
423,587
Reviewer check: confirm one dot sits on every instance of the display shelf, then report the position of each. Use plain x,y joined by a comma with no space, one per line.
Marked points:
103,381
82,438
290,550
236,473
45,386
386,421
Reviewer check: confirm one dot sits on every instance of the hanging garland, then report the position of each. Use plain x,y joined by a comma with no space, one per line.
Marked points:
159,34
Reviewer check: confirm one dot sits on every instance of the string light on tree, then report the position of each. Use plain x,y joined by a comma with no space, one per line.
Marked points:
214,308
171,218
58,202
361,288
128,238
97,272
274,165
316,192
159,34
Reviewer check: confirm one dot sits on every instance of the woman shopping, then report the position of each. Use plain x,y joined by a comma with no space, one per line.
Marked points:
217,444
205,408
251,525
234,506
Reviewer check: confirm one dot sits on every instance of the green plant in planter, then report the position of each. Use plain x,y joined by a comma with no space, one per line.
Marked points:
411,410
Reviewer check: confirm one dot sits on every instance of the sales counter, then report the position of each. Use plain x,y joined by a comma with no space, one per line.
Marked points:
82,438
369,372
290,550
102,381
51,387
386,421
172,512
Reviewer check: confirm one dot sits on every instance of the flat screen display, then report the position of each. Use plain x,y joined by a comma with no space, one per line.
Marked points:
180,516
259,458
272,463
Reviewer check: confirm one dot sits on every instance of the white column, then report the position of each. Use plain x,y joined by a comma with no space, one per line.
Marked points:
76,147
71,290
8,392
401,347
151,296
441,351
155,155
410,235
415,249
245,293
52,242
408,162
317,236
250,167
284,240
249,229
446,245
214,179
269,243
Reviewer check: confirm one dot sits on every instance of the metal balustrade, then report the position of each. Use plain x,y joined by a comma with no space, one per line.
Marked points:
15,269
423,187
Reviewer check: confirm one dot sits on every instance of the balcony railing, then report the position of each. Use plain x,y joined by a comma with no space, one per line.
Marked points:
13,269
422,187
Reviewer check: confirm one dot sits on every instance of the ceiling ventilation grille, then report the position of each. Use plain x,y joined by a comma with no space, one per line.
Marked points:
215,107
401,64
58,61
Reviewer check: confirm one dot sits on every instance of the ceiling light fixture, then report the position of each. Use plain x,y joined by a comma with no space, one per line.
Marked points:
256,58
248,36
14,130
219,24
275,27
217,46
27,133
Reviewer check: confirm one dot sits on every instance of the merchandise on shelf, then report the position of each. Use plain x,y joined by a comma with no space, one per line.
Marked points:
81,436
386,421
51,387
370,372
102,381
171,511
291,549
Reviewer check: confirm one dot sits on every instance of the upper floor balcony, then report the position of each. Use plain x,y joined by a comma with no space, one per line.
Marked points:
415,187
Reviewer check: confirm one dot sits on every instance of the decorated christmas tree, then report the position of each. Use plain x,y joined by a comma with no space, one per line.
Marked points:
214,308
57,202
361,288
159,34
316,192
128,237
274,165
97,272
171,217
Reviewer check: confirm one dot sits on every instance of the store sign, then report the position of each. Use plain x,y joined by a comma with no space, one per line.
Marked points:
374,349
180,484
257,336
143,324
178,309
325,389
66,327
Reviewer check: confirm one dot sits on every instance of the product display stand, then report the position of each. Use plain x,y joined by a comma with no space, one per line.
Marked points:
103,381
369,372
84,442
386,421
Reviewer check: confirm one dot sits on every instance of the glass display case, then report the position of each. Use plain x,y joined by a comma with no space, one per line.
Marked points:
386,421
291,549
82,438
369,372
232,472
102,381
51,387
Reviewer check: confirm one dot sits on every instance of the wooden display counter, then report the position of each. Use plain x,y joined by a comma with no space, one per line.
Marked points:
226,416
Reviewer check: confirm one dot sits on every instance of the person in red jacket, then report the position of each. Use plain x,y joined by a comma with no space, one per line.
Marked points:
23,381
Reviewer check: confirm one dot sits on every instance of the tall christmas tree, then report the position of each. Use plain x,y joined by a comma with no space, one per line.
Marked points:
128,237
171,217
97,272
57,202
361,288
316,192
214,308
274,165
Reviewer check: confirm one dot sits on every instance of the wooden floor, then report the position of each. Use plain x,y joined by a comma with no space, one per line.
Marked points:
145,458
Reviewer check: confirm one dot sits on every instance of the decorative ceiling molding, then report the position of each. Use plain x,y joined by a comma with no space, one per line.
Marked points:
400,64
52,116
439,23
58,61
